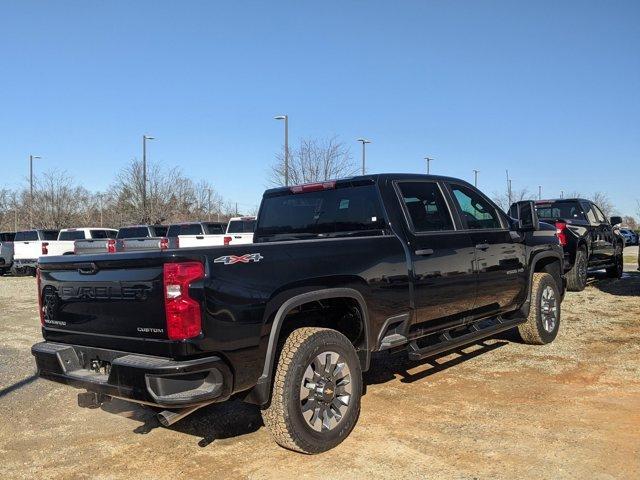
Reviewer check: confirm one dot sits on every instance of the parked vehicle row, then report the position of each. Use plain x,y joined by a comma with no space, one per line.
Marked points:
337,270
19,252
589,240
630,237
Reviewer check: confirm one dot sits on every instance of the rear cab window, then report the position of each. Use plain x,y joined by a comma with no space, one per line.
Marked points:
50,234
347,209
72,235
241,226
28,236
215,228
133,232
101,234
185,229
561,209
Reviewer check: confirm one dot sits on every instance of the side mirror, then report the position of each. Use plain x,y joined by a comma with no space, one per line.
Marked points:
525,213
615,220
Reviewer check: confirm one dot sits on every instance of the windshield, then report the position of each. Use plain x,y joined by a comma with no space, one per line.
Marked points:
241,226
560,209
72,235
336,212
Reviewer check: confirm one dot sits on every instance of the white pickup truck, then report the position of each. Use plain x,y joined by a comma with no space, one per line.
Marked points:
238,231
27,247
64,245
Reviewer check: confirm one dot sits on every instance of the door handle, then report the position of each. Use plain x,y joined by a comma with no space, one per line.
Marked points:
482,246
425,252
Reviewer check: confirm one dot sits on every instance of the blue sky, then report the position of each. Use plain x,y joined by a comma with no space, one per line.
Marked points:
549,90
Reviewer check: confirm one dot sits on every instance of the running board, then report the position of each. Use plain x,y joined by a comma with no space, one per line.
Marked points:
447,342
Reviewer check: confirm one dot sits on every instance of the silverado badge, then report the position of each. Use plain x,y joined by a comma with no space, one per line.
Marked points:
246,258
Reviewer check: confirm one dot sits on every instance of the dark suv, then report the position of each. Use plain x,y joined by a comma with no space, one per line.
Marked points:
589,240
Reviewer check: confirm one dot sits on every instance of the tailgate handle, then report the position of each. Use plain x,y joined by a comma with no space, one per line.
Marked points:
199,237
87,268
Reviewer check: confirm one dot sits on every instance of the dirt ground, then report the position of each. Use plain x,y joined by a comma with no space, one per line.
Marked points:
498,409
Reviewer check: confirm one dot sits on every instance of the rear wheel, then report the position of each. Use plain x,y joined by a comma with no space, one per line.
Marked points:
315,399
543,321
615,271
577,276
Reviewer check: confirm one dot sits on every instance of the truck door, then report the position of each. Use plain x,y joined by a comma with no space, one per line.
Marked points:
499,253
606,235
444,282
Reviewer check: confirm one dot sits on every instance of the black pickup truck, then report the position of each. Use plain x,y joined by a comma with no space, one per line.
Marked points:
338,270
590,240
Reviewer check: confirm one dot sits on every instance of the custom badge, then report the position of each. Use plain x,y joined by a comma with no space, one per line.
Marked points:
246,258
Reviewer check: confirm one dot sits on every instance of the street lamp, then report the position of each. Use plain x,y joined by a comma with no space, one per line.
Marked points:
364,142
144,174
286,146
31,158
475,178
428,163
539,192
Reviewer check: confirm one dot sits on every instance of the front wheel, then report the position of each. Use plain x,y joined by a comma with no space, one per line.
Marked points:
315,399
543,321
615,271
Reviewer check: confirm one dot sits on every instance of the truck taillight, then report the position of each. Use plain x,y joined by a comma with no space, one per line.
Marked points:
45,249
111,246
561,233
227,240
163,243
39,287
182,312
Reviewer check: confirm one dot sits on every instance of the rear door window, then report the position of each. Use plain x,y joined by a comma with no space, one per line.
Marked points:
425,206
477,213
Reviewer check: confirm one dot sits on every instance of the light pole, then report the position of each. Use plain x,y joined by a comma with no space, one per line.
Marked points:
286,146
475,178
364,142
510,194
428,163
100,195
144,174
539,192
31,158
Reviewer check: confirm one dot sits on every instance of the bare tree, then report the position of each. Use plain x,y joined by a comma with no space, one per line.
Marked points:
630,222
313,161
603,201
502,199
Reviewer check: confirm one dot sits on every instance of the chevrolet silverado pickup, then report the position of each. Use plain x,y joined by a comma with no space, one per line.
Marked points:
589,239
338,269
27,247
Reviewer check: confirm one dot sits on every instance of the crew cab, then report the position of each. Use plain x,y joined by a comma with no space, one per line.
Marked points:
589,239
240,230
198,234
6,251
65,244
338,269
27,247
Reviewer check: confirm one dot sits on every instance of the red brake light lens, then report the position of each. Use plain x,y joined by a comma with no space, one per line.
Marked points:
561,233
39,284
183,314
227,240
45,250
111,246
313,187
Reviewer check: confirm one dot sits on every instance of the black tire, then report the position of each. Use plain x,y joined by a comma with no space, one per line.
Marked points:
537,329
2,272
577,276
284,415
15,271
615,271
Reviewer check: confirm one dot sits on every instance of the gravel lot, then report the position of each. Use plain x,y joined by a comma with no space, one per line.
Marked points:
499,409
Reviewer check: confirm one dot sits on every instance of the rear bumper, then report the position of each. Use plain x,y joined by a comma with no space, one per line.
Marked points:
145,379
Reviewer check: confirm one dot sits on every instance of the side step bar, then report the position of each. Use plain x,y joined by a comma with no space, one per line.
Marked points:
448,343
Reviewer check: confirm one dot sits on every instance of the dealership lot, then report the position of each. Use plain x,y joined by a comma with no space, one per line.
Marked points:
496,409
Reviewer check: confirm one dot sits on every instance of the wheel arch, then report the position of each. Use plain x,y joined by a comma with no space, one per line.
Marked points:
260,393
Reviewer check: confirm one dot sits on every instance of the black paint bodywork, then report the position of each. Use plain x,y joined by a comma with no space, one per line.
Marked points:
117,304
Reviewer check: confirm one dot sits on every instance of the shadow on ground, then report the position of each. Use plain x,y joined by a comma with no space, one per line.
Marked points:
628,285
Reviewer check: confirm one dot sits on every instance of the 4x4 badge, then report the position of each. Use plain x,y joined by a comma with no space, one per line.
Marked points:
246,258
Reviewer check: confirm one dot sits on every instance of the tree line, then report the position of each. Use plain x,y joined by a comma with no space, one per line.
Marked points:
171,197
